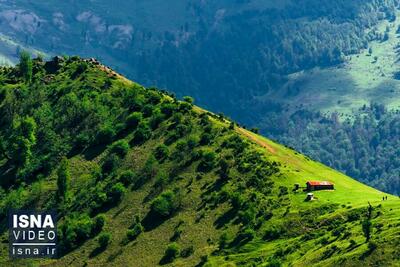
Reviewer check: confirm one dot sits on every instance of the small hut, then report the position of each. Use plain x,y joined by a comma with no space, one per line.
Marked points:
319,185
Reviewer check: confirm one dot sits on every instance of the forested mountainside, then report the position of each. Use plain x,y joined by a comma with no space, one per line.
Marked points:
140,178
365,147
210,49
256,61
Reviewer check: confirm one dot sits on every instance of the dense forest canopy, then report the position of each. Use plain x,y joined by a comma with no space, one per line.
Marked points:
365,147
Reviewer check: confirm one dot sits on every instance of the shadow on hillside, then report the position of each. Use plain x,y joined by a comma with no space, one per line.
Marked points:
96,252
225,218
165,260
154,191
94,151
7,174
113,256
89,153
214,187
152,221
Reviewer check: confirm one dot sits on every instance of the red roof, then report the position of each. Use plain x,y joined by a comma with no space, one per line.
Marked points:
319,183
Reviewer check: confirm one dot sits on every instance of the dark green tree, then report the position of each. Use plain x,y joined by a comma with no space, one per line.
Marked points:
24,138
25,66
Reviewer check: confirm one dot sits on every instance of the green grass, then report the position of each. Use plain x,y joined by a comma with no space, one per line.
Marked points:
348,194
309,230
358,81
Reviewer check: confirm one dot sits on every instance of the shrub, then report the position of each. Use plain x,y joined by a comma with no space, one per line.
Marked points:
156,119
192,142
172,252
127,178
110,164
105,135
75,230
161,152
188,99
81,68
98,223
255,130
237,200
177,118
161,179
224,169
247,216
149,170
99,198
184,106
205,139
142,134
116,192
167,109
133,120
153,97
120,148
25,66
272,233
274,262
104,240
82,140
133,233
147,110
165,204
208,161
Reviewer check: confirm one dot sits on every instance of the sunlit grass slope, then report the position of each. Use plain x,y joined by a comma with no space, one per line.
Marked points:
198,189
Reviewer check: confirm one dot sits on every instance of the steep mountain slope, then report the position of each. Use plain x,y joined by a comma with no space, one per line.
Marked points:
170,183
257,61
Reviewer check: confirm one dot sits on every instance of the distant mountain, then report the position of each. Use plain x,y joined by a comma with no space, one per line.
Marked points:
139,178
260,62
232,50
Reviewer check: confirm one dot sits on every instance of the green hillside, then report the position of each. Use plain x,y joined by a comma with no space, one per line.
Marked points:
258,61
140,178
368,76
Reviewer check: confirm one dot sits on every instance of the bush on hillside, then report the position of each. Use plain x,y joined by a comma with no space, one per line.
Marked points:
133,233
105,134
128,178
165,204
116,193
147,110
98,223
161,152
133,120
142,134
104,240
171,253
207,162
110,164
120,148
